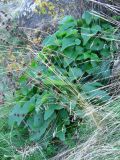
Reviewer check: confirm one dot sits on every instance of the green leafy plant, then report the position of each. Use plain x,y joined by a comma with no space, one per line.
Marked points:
51,100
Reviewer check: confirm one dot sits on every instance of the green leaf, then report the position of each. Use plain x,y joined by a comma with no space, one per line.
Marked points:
94,64
71,32
94,57
61,132
87,17
68,42
37,134
54,80
48,113
66,33
67,62
17,115
106,26
66,19
60,34
51,41
77,42
28,106
75,73
87,67
96,45
72,53
95,29
87,55
41,99
35,121
86,35
105,52
38,119
67,22
101,95
105,68
64,116
19,112
50,110
79,50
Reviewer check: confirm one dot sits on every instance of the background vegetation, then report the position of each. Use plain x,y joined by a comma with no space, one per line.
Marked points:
60,100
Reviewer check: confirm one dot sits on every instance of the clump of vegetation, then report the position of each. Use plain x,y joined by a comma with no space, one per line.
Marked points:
51,102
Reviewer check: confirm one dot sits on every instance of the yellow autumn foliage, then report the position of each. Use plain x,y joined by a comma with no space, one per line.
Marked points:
45,7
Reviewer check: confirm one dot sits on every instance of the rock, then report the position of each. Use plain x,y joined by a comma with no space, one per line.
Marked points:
34,13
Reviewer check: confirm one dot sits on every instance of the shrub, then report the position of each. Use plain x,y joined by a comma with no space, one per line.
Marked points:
51,102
